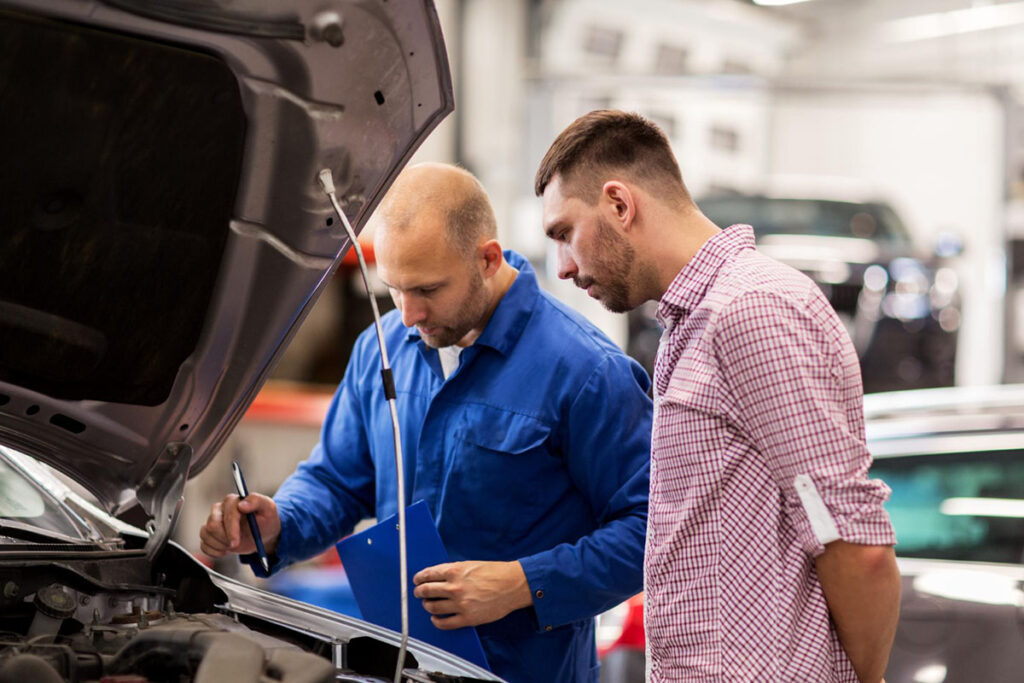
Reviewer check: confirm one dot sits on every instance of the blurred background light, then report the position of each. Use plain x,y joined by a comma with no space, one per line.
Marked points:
976,586
933,673
983,507
778,3
953,22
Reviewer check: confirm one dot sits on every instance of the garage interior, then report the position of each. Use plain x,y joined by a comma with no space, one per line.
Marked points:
915,103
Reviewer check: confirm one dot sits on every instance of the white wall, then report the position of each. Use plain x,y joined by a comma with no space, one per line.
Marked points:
570,80
938,154
949,41
440,144
714,34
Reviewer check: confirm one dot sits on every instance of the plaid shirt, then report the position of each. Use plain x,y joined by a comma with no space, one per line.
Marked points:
758,460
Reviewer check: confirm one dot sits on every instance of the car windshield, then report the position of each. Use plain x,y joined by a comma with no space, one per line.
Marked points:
957,506
772,216
24,502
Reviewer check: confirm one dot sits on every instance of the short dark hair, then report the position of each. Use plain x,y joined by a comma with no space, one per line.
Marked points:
606,142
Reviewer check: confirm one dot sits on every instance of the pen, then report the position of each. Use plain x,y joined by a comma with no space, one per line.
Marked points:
236,471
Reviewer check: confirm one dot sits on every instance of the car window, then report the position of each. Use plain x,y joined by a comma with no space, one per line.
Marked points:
23,501
957,506
772,216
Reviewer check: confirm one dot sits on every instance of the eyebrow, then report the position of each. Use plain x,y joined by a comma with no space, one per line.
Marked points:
422,285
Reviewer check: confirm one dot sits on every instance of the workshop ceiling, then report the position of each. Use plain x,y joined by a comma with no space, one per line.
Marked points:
943,41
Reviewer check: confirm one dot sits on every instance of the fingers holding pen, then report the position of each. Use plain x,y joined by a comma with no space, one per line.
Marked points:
226,531
264,510
214,537
231,521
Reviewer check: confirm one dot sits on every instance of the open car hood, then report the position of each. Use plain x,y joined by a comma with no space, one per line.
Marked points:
163,232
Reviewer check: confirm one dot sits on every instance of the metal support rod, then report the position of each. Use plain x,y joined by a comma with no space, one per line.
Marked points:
327,183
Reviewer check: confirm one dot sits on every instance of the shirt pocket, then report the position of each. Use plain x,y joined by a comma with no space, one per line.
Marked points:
690,432
502,466
501,431
695,384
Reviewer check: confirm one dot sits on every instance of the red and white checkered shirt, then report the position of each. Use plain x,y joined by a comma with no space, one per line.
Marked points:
758,460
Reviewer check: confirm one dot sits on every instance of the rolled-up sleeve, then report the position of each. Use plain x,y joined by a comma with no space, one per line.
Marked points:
793,386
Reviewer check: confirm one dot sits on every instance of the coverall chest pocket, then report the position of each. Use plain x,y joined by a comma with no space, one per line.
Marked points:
502,462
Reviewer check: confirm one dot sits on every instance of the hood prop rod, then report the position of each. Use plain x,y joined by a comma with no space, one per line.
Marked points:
327,183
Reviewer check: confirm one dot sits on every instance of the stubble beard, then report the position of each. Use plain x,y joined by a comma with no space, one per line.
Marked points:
470,314
616,265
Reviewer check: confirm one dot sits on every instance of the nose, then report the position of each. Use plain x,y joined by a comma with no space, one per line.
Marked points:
413,310
567,268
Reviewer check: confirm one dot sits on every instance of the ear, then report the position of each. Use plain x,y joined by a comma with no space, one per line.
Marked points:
490,253
619,201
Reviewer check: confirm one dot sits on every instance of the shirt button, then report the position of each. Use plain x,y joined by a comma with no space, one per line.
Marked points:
539,594
548,627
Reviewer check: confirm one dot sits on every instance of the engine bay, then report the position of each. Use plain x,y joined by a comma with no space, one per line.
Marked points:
112,617
102,617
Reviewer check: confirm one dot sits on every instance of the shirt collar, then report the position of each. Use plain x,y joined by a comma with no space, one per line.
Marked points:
691,284
513,311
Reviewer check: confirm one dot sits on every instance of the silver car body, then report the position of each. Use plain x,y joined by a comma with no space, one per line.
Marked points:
163,236
164,615
346,85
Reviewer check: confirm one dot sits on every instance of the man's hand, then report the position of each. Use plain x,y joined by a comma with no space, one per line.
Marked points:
225,531
862,588
472,593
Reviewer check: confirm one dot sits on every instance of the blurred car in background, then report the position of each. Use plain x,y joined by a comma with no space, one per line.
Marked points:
954,458
899,302
621,642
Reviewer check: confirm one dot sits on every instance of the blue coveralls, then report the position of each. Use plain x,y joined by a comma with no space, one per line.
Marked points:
536,448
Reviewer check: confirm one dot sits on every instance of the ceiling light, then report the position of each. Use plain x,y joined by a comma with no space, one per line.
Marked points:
953,22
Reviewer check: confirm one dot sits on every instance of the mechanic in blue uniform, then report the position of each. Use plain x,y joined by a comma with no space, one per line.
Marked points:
524,428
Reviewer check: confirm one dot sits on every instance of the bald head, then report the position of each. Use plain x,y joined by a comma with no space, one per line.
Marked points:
434,236
433,194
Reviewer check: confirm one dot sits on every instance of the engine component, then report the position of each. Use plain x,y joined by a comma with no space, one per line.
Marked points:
21,668
53,606
177,647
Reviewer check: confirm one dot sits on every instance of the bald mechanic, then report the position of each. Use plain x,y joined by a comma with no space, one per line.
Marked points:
524,428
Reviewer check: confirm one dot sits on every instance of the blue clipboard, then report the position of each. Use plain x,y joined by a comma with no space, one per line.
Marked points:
371,564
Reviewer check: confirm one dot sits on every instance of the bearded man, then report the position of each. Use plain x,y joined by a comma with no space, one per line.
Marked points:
524,429
769,553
